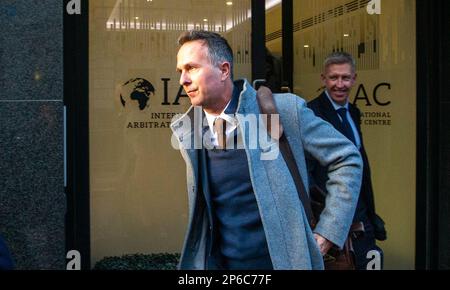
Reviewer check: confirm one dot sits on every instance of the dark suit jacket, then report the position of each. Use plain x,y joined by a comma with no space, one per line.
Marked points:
365,210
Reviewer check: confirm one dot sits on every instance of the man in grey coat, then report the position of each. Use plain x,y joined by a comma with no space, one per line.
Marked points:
244,210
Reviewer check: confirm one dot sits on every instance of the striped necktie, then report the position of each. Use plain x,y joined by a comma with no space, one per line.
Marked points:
220,126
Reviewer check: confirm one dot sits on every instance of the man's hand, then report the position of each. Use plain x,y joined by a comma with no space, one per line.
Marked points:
323,244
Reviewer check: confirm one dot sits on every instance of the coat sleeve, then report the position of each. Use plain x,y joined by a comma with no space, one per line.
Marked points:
332,150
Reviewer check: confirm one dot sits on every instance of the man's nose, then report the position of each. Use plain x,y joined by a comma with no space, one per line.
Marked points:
184,79
340,83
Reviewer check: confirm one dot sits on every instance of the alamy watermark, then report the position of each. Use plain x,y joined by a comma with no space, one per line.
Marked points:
375,260
73,7
374,7
74,258
252,133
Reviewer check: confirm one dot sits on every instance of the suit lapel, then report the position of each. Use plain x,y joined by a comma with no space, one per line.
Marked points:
329,113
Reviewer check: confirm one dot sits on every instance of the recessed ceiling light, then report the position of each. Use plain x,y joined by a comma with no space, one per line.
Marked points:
229,3
346,35
205,20
306,45
37,76
136,17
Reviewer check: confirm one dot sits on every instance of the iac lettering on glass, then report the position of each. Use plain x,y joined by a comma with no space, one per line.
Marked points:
361,94
166,94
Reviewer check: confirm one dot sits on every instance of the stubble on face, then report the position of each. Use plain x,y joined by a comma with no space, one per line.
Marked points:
201,80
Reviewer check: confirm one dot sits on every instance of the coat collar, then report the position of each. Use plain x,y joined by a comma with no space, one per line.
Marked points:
328,111
183,131
330,114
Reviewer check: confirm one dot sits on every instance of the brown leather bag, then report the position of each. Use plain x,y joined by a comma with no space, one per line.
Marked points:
335,259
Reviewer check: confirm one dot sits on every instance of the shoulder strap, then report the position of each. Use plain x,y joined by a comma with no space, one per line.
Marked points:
267,106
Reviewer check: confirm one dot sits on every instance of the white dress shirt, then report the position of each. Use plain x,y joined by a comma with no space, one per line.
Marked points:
349,118
230,127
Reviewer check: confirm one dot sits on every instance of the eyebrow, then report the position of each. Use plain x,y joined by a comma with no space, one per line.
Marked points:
180,69
189,64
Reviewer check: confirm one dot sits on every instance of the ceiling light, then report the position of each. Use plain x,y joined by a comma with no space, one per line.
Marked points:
229,3
37,76
346,35
306,46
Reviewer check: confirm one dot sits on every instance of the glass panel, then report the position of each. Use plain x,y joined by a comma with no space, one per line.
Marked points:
137,180
273,27
274,46
384,48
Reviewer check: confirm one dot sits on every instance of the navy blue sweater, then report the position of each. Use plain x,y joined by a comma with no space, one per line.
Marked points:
238,232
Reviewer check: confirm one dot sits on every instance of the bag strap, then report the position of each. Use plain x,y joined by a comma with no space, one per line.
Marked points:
267,106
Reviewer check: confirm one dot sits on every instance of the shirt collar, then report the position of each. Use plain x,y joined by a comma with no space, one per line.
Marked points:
335,105
211,118
228,117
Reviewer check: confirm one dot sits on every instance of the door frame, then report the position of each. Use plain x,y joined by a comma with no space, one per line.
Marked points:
431,40
76,103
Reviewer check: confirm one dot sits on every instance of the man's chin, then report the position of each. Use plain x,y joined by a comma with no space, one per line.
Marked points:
339,98
196,104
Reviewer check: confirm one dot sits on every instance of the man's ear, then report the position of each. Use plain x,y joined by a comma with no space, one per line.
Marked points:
355,77
322,78
225,68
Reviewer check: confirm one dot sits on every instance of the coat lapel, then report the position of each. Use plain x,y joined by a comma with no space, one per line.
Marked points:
329,113
185,134
289,238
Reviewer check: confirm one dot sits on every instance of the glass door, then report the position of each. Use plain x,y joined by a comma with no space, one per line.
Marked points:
382,39
138,199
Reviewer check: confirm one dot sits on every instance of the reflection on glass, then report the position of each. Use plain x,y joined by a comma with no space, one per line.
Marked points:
137,180
385,92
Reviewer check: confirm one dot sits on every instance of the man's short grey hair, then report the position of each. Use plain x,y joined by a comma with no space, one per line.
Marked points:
218,48
339,58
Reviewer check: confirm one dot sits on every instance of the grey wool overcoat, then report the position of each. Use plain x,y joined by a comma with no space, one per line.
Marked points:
289,237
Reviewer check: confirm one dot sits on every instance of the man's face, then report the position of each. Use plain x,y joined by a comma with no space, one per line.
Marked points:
202,81
339,80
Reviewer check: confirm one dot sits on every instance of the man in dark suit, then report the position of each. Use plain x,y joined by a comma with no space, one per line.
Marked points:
333,105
